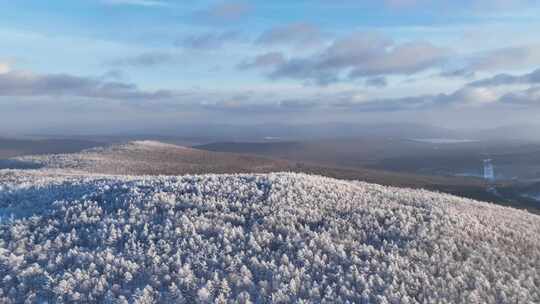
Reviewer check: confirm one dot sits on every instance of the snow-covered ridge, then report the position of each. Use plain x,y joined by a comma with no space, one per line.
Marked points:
152,158
154,144
135,146
132,146
269,238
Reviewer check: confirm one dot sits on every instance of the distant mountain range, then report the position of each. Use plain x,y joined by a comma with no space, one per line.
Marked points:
10,147
207,133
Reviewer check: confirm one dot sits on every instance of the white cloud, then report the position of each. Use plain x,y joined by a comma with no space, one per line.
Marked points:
362,55
473,97
4,68
17,83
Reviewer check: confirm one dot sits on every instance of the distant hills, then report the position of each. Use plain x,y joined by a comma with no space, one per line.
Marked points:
14,147
206,133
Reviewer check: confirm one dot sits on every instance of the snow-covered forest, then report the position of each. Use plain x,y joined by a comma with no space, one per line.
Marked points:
270,238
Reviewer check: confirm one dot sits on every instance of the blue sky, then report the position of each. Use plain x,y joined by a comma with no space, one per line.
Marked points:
117,63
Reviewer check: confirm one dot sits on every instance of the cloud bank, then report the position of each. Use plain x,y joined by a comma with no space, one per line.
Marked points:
507,79
359,55
19,83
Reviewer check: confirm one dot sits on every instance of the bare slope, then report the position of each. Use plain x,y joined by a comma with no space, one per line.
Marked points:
275,238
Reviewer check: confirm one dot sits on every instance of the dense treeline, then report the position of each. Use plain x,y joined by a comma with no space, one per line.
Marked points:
276,238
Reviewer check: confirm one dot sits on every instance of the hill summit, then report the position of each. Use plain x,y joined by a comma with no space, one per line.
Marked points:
147,157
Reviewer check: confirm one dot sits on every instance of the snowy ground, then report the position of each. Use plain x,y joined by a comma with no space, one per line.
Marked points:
70,236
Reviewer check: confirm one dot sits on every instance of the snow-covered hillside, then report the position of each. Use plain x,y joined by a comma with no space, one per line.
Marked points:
271,238
153,158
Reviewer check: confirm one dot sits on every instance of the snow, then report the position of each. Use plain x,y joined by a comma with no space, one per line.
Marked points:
261,238
150,144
